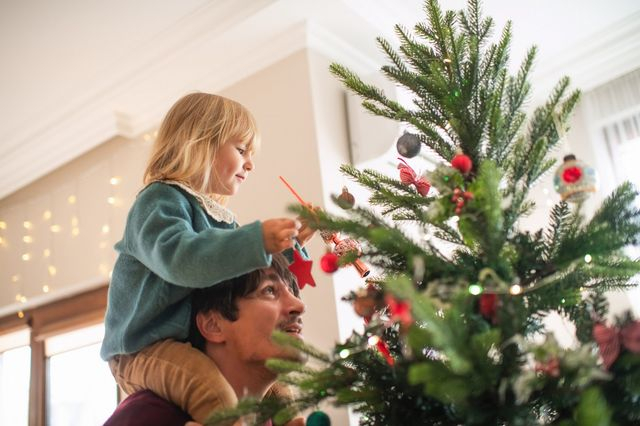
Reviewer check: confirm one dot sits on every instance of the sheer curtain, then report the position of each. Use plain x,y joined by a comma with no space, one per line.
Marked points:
611,115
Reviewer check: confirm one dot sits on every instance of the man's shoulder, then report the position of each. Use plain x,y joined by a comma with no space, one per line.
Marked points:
145,408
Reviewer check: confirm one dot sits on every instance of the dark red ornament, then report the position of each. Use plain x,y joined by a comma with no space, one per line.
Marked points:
571,174
488,305
301,268
329,262
462,163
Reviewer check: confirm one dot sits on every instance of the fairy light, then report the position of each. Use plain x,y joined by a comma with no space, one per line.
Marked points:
515,289
46,215
27,224
45,288
23,299
588,258
344,353
52,270
446,60
27,239
75,232
55,228
71,199
373,340
115,180
46,253
3,224
20,314
111,200
102,245
2,241
15,278
475,289
105,229
26,257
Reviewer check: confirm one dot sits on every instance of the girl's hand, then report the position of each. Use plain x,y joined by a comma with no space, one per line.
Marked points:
279,234
306,232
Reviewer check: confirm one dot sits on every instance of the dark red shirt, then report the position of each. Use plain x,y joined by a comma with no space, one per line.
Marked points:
145,408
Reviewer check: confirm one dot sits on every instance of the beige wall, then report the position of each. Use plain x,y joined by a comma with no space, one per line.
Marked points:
298,133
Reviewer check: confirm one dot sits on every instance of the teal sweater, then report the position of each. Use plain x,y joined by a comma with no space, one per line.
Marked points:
173,243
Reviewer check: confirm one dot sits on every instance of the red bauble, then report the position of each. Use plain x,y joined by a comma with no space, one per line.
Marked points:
571,174
329,262
462,163
488,305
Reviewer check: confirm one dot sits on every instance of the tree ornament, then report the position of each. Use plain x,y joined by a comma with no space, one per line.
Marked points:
488,306
346,200
459,198
318,418
462,163
574,180
367,302
399,311
329,262
408,145
343,247
301,268
408,177
347,246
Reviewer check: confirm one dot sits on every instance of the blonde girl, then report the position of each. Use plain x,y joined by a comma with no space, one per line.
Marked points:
179,237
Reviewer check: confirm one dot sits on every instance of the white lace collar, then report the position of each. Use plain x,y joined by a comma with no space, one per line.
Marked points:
214,209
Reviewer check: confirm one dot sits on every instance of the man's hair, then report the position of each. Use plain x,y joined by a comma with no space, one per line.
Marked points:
222,297
191,134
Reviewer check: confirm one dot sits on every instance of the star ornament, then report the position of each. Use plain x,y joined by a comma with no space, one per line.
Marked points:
301,268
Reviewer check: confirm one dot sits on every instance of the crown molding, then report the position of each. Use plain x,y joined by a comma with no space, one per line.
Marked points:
87,118
605,55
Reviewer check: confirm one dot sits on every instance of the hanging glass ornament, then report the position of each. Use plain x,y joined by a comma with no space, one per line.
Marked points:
346,200
318,418
574,180
408,145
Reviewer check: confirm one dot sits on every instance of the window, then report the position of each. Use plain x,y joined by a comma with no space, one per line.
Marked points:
80,387
15,374
51,372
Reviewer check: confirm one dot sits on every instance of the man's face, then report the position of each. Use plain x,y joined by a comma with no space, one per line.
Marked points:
271,306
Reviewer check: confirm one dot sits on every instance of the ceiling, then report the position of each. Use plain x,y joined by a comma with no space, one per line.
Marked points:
75,73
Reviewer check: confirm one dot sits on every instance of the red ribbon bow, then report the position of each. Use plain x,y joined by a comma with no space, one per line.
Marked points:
609,340
408,177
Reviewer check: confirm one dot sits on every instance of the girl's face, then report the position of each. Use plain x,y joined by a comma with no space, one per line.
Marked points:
232,166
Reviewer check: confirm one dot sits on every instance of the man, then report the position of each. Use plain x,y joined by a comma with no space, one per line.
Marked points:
232,324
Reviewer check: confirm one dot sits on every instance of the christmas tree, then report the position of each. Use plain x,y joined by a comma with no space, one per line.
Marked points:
454,332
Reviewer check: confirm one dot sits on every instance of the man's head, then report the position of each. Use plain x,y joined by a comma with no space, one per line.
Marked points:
239,315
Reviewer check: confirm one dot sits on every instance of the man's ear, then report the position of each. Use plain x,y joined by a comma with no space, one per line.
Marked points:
210,326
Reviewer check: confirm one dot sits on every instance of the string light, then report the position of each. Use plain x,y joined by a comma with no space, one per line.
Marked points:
71,199
111,200
27,239
27,224
588,258
515,289
475,289
26,257
3,225
344,354
46,215
105,229
46,253
75,232
45,288
20,314
55,228
115,180
15,278
373,340
52,270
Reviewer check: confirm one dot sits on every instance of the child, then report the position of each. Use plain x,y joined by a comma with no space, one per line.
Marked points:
178,238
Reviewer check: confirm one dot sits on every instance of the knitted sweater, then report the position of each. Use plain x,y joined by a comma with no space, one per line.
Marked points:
175,241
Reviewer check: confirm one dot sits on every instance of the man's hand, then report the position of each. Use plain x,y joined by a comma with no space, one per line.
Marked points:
279,234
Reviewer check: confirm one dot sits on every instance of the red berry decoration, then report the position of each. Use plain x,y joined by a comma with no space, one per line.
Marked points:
571,174
462,163
329,262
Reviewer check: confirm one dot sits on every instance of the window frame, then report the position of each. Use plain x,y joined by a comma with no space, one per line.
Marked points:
57,317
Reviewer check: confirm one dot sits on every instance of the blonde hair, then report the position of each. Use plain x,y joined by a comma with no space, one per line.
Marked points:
191,134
